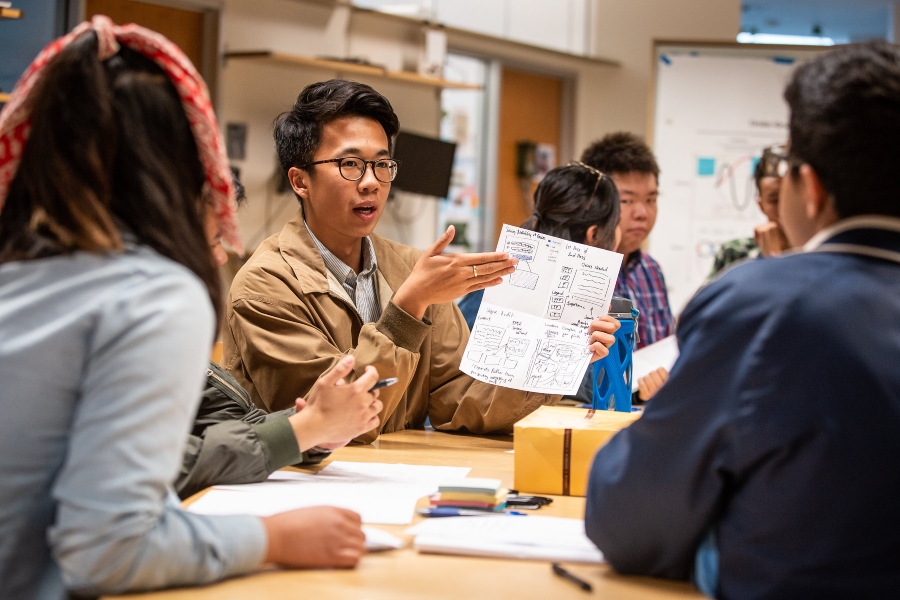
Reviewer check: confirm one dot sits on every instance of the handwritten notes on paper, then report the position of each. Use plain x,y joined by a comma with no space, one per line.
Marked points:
531,330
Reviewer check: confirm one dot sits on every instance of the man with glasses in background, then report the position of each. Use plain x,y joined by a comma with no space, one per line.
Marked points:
768,239
327,286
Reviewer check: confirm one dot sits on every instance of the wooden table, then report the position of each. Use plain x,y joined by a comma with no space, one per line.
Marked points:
406,574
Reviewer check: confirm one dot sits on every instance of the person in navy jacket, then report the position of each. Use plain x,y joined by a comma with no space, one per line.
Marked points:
767,467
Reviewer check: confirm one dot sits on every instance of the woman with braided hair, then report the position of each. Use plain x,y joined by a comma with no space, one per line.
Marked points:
110,155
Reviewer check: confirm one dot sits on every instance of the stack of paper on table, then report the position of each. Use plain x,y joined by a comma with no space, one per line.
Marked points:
535,538
381,493
471,493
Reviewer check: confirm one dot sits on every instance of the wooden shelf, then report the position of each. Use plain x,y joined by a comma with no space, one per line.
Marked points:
458,32
4,98
11,13
346,67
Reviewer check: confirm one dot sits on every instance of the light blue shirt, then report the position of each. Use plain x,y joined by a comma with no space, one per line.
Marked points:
362,288
101,364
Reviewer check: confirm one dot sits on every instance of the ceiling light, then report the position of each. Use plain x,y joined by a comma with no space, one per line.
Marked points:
745,37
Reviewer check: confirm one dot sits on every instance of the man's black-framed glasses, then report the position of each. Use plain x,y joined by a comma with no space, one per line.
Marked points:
353,168
777,161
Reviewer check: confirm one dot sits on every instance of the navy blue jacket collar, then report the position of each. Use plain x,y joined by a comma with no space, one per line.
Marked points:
869,235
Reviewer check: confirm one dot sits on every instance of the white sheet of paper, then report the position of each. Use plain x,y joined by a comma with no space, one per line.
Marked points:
531,537
531,330
379,541
381,493
663,353
360,472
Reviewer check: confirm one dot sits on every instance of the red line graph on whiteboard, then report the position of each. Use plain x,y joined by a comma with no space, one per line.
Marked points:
732,176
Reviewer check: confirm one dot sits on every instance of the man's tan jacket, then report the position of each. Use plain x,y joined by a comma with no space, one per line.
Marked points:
289,320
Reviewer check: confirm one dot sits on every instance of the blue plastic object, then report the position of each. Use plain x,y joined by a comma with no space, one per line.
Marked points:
612,375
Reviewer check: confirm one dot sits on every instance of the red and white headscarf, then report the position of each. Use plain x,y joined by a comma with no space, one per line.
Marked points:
15,121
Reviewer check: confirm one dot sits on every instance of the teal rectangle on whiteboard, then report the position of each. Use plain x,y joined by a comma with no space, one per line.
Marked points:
706,167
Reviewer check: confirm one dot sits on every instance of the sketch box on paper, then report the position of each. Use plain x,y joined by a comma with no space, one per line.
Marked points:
554,447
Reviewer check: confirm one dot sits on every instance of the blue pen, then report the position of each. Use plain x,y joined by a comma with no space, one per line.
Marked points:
449,511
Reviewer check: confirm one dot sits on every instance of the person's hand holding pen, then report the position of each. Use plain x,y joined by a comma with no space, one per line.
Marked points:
336,410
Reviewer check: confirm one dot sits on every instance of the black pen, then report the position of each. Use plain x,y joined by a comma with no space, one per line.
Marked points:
573,578
382,383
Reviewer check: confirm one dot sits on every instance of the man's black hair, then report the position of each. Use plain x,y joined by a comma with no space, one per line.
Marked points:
619,153
298,132
845,123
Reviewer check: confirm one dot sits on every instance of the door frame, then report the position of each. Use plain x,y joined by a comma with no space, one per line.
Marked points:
213,45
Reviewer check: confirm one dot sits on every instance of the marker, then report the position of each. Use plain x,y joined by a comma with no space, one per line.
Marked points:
449,511
383,383
557,568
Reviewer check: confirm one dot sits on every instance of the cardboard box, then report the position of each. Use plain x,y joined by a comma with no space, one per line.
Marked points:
554,447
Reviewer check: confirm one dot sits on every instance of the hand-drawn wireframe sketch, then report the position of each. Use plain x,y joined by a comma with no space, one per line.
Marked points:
526,251
494,354
558,296
557,364
585,288
531,330
590,286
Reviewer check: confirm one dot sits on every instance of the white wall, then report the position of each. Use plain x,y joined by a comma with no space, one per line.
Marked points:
624,30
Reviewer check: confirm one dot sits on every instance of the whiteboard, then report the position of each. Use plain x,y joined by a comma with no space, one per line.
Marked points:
715,109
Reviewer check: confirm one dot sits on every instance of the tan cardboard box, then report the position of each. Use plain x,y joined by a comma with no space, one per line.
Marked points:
554,447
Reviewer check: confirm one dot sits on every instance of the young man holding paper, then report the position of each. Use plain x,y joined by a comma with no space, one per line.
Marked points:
327,286
766,467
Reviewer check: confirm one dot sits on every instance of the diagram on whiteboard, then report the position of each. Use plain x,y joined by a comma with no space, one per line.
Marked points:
733,180
531,331
714,114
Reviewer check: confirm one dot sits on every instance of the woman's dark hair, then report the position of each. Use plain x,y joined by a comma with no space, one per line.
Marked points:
569,200
110,152
845,123
298,132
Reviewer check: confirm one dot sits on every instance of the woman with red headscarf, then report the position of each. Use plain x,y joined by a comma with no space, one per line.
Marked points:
109,156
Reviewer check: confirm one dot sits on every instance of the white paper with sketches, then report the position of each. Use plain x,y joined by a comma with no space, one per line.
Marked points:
531,330
663,353
531,537
384,494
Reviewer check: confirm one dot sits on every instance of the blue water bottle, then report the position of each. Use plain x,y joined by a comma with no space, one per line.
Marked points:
612,375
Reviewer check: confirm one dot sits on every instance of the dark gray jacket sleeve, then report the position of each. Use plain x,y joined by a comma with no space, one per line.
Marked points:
232,441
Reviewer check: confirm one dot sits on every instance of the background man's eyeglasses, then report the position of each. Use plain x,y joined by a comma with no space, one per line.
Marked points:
353,168
777,161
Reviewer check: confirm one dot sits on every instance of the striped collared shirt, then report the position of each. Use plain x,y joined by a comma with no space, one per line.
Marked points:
641,280
362,287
